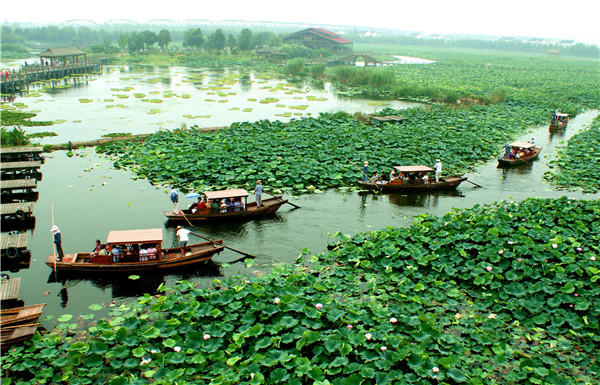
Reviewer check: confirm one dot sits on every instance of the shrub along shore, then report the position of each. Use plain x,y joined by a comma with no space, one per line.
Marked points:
496,294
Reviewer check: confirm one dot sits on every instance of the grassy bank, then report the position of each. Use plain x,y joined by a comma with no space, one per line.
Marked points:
499,294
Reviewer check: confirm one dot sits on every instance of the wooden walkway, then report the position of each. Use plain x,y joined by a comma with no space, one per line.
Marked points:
18,241
21,153
9,289
14,208
18,166
18,184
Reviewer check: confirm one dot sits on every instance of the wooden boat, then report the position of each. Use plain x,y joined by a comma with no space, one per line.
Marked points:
559,121
11,335
20,315
411,179
244,211
130,242
525,153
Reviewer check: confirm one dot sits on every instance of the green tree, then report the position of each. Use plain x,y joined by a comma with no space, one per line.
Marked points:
123,39
294,67
164,38
231,41
216,41
135,42
193,38
245,40
149,38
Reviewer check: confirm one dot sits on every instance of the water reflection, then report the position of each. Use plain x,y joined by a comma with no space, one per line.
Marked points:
429,200
524,169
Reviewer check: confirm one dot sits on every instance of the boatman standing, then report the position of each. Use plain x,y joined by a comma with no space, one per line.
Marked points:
258,193
175,199
183,235
438,170
365,171
57,241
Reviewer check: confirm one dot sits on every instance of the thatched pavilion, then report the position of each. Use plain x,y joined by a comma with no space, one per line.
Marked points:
64,55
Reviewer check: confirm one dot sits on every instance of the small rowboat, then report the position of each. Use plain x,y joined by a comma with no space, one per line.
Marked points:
526,152
559,121
140,251
11,335
243,211
20,315
411,179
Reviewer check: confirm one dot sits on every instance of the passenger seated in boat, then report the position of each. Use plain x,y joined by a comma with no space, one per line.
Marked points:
201,204
214,206
104,251
412,178
152,251
143,253
425,178
223,207
237,205
393,175
376,177
116,253
230,205
98,247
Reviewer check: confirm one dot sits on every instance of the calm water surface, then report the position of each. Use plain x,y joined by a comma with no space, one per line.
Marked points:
88,198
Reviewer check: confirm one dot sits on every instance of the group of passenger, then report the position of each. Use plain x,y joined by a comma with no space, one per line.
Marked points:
558,119
218,206
406,178
518,152
132,252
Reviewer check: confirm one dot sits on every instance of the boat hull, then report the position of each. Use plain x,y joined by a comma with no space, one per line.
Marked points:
171,259
270,206
449,183
20,315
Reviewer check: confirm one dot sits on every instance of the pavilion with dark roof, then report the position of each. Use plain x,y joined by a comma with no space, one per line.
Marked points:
72,54
317,38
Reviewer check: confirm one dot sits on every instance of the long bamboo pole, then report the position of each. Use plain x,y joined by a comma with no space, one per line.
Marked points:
368,177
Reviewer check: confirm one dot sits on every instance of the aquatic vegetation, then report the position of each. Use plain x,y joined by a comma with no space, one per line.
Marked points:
83,100
406,305
11,117
312,151
577,165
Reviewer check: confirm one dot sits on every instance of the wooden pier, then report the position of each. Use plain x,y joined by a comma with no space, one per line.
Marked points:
21,170
21,153
18,211
13,245
18,190
9,289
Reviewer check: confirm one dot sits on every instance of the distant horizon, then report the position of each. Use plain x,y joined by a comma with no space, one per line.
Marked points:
545,19
94,24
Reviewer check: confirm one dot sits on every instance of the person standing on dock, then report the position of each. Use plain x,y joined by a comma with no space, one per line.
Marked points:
258,193
438,170
57,242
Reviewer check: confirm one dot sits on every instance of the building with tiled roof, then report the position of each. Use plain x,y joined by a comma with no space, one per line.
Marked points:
317,38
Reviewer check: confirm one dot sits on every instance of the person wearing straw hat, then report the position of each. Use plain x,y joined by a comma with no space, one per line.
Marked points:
258,190
438,170
365,171
57,242
183,235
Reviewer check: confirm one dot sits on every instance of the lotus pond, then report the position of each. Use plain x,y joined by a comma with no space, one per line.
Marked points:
495,294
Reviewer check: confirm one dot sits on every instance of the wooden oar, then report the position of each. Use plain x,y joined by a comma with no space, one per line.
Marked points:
227,247
368,177
288,202
466,180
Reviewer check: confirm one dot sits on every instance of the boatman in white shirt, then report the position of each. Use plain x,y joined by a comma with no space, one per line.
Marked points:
183,235
438,170
258,193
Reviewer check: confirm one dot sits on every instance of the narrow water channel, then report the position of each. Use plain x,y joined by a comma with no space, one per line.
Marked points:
86,197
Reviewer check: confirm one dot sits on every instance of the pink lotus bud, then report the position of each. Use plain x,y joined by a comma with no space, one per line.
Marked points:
576,295
177,349
393,320
510,242
247,281
277,300
349,327
592,258
368,336
206,337
501,252
435,369
519,259
319,306
489,268
383,348
554,245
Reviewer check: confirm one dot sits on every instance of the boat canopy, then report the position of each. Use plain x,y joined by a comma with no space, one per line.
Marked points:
522,145
224,194
561,115
413,168
134,236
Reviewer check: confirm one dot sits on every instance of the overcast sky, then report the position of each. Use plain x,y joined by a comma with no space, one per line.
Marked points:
573,19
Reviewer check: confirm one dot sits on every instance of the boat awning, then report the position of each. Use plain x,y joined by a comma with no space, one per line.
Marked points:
135,236
413,168
522,145
224,194
560,114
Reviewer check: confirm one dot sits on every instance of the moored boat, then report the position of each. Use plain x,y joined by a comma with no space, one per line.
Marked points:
20,315
559,121
519,153
12,335
135,251
243,210
414,178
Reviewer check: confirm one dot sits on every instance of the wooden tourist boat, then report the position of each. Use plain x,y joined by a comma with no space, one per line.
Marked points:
20,315
244,211
12,335
130,242
520,153
411,179
559,121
